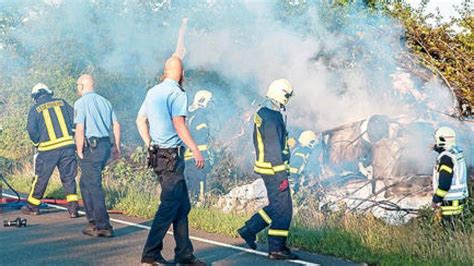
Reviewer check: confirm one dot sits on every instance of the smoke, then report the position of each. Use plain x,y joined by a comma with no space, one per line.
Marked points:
345,63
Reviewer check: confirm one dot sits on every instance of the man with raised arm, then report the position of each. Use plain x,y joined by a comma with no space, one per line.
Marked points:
161,124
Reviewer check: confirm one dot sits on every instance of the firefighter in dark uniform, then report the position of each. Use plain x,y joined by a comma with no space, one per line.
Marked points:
272,164
300,157
449,177
199,127
50,127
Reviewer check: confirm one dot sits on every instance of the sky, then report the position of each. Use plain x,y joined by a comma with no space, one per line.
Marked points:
446,7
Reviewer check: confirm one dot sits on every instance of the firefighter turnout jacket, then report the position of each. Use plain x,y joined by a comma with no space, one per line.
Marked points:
271,142
50,123
199,128
450,181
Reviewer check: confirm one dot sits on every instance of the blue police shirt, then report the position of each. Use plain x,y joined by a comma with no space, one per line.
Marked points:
163,102
96,113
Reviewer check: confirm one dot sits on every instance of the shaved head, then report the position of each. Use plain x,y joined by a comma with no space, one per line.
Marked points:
85,83
173,69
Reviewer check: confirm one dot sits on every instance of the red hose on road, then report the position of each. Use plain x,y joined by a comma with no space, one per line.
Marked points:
55,202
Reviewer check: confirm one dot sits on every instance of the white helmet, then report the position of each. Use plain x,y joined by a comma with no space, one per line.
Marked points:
280,91
445,137
202,98
307,139
39,88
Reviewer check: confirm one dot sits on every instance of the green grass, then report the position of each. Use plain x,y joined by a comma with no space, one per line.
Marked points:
355,237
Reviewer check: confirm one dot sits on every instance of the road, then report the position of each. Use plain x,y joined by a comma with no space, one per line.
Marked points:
54,239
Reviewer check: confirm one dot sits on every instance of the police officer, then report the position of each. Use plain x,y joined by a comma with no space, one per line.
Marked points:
162,126
449,176
270,141
300,157
199,127
95,121
50,124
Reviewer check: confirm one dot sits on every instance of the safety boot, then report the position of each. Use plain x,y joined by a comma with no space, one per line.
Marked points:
107,232
73,209
248,236
284,254
28,210
159,260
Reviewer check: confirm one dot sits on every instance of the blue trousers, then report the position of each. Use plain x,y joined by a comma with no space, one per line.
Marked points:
45,163
277,214
91,183
173,209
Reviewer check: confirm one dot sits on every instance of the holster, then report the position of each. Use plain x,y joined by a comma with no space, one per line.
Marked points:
160,159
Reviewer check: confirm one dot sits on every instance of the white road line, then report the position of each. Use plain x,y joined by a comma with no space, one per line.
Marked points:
204,240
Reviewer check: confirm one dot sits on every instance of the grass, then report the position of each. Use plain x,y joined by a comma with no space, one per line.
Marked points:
361,238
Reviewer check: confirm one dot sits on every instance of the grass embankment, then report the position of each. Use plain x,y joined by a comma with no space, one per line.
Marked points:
359,238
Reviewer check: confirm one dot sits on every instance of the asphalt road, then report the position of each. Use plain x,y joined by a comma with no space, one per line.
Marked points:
54,239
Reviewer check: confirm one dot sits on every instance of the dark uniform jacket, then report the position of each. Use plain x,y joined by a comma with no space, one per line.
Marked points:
299,159
50,123
199,127
270,139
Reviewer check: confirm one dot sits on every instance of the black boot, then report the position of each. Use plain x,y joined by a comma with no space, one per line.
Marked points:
30,210
189,261
284,254
248,236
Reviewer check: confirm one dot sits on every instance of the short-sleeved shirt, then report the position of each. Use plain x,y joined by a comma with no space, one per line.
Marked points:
162,103
96,113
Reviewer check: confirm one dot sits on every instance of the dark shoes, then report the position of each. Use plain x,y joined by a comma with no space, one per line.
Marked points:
159,261
285,254
28,210
248,236
91,230
190,261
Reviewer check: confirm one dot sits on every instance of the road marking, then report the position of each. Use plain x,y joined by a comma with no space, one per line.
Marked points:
204,240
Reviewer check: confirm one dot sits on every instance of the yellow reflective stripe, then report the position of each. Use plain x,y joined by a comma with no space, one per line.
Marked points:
56,146
281,167
188,154
452,208
449,213
201,187
293,170
265,216
455,202
72,197
263,171
201,126
300,154
62,122
260,146
31,199
274,232
441,193
263,164
49,125
445,168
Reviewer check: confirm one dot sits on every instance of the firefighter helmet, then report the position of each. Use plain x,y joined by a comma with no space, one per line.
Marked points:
280,91
307,139
38,88
445,137
202,98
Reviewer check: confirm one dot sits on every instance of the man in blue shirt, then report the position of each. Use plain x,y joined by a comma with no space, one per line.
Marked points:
161,123
95,120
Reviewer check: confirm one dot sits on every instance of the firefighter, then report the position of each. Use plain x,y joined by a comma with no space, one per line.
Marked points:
300,157
199,127
50,127
270,139
449,176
